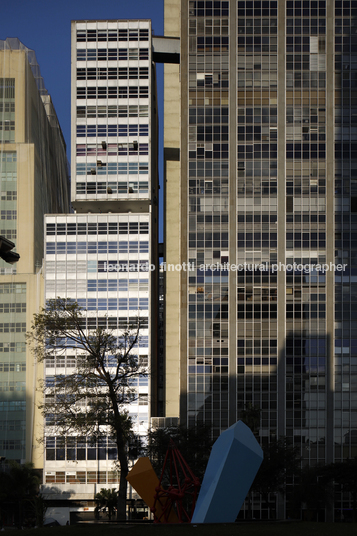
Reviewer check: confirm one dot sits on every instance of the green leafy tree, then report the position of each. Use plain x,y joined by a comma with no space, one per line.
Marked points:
280,463
313,488
92,399
19,485
280,460
39,505
345,476
250,415
194,443
106,500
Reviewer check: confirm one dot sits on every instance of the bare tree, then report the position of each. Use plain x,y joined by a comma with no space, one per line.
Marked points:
92,399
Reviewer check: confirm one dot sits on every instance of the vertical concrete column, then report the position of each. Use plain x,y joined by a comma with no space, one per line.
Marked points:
184,216
232,304
330,236
281,230
172,227
281,222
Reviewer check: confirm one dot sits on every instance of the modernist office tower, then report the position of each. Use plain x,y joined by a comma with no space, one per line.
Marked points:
100,255
34,180
261,156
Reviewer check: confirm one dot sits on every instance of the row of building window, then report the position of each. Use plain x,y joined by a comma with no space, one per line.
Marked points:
12,405
13,444
272,218
9,176
113,92
78,228
120,34
116,285
256,361
8,214
12,387
257,239
106,322
306,310
257,311
8,157
207,187
312,27
13,288
209,133
306,346
79,477
7,125
208,8
12,307
113,73
84,112
306,80
7,107
209,115
78,266
12,347
9,195
215,151
209,80
306,62
125,149
13,367
94,188
257,115
69,286
113,168
263,44
212,44
73,248
71,362
116,304
7,88
306,240
258,151
256,294
258,79
251,275
104,131
12,327
112,54
12,425
208,169
261,25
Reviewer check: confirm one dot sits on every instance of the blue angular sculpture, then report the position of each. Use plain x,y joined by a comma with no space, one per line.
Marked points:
234,461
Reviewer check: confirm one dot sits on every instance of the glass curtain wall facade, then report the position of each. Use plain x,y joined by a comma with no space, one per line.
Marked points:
266,178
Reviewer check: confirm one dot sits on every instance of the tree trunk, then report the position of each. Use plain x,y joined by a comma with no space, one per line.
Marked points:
249,498
123,485
354,506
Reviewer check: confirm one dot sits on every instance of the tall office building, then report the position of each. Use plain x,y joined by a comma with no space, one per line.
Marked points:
260,169
104,255
34,181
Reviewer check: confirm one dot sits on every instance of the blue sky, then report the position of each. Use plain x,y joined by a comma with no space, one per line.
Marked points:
45,27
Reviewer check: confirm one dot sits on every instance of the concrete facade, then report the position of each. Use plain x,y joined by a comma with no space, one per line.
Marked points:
34,180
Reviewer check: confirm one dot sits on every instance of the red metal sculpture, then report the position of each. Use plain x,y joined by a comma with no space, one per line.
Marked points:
177,502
